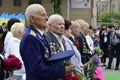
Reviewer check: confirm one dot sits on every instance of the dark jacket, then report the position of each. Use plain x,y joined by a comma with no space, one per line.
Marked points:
35,51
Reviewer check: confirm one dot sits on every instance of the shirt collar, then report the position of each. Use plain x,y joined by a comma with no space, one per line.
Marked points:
41,32
72,36
57,36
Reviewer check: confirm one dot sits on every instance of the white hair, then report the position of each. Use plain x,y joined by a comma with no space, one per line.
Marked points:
16,28
53,18
74,25
31,10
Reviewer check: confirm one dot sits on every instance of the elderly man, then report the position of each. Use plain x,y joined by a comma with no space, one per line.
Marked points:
54,35
59,42
35,49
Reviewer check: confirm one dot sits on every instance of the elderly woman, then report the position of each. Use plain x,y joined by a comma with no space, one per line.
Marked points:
76,59
18,30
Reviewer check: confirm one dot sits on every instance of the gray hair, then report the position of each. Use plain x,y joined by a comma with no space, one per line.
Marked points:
53,18
31,10
74,25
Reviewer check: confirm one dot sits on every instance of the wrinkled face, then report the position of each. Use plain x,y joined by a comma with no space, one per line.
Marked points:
58,26
40,18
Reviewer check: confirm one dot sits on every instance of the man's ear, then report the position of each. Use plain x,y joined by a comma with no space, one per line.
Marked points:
32,19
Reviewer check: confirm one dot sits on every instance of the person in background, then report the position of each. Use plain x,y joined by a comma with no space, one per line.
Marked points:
82,44
18,30
75,31
75,59
96,37
35,50
104,42
3,28
7,35
114,45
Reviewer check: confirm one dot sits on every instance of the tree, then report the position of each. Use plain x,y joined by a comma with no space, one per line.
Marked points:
56,4
106,17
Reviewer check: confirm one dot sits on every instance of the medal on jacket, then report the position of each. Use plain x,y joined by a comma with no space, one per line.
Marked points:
55,48
46,55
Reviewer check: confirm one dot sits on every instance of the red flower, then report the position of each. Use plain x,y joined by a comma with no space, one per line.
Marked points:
11,56
12,63
77,43
7,64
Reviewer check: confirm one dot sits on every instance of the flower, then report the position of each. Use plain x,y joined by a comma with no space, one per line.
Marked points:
99,74
95,59
12,63
70,77
95,71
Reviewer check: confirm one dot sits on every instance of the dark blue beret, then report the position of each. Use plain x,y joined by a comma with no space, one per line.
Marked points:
62,55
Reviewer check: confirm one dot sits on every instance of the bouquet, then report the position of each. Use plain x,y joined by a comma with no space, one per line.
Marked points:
12,63
95,72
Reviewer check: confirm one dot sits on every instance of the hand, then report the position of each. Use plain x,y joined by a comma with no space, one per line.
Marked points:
113,30
69,68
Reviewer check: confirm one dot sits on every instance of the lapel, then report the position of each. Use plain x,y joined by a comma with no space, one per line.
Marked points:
54,44
84,41
71,39
43,40
52,38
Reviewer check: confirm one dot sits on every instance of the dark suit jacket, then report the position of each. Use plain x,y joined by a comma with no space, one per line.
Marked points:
54,44
102,37
81,43
81,39
35,50
72,39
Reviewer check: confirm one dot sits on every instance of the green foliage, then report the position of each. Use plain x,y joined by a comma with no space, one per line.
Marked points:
106,17
56,4
34,1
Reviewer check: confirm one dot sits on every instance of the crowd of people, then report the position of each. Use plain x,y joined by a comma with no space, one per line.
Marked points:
45,36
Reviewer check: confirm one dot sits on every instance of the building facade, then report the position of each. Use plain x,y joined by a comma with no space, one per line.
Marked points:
71,9
13,6
106,5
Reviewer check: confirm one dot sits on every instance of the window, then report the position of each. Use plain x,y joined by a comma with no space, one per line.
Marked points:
0,2
17,2
34,1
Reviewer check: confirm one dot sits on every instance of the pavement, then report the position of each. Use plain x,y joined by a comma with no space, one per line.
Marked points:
112,67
